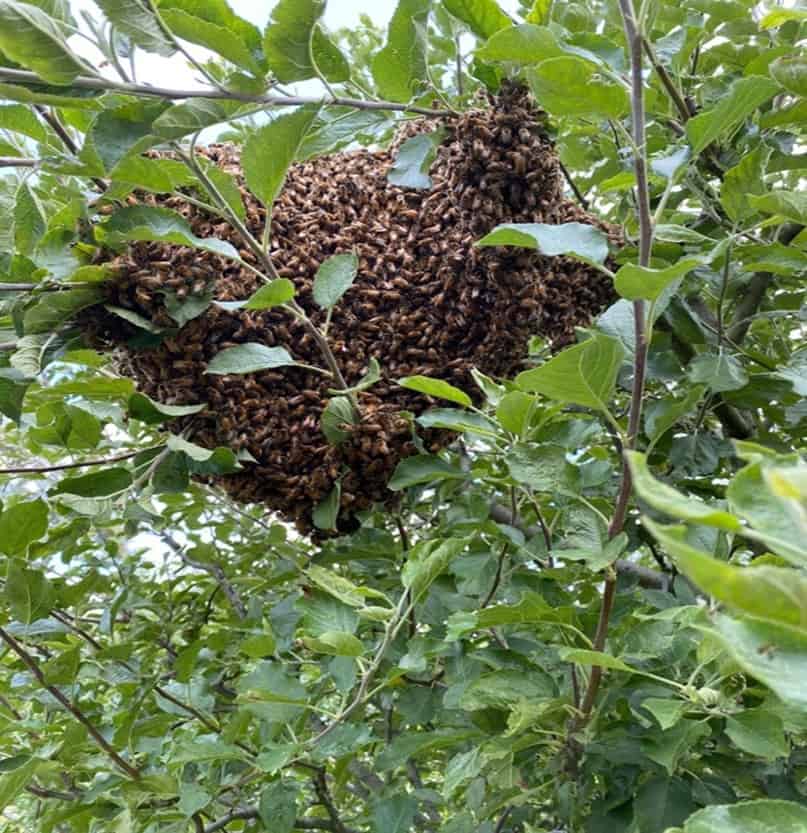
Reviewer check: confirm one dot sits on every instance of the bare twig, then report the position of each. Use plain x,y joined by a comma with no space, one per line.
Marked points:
651,579
496,579
67,140
575,190
214,570
17,162
79,715
63,466
83,82
634,39
503,819
248,813
320,781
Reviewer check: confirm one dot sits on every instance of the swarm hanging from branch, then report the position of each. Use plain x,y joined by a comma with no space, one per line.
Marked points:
425,301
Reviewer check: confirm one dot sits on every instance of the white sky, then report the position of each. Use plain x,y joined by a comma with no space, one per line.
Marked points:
175,73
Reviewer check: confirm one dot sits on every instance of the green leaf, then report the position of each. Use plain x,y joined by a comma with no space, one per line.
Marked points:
192,799
249,358
483,17
513,411
750,496
29,594
774,594
335,643
531,609
270,150
333,279
574,239
102,483
277,292
188,308
791,73
571,86
338,412
743,180
54,308
14,781
158,175
667,712
326,512
581,656
541,467
258,645
194,115
758,732
525,45
436,388
216,38
117,132
742,98
29,219
31,38
634,282
415,157
13,385
394,814
133,318
763,816
144,222
775,654
20,119
135,20
328,57
456,420
666,499
662,802
400,68
584,374
21,524
720,371
427,562
277,808
288,40
790,204
662,415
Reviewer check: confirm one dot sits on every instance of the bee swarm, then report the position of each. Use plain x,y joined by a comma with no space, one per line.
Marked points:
425,302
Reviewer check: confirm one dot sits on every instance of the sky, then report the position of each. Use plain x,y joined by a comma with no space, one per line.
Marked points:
156,70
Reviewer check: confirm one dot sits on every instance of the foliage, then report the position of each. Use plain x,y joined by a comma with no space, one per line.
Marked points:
590,615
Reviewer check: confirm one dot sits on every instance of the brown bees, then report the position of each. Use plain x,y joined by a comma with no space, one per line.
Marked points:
426,300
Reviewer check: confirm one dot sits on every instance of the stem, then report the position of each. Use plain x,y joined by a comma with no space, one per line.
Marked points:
63,466
34,668
17,162
67,140
83,82
254,246
667,82
634,39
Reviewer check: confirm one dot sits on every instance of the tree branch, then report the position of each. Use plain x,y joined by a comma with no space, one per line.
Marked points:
249,813
18,76
634,39
645,576
63,466
17,162
99,739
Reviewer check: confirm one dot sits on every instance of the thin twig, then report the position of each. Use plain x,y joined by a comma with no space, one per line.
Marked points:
634,39
99,84
79,715
63,466
575,190
320,781
496,579
503,819
67,140
17,162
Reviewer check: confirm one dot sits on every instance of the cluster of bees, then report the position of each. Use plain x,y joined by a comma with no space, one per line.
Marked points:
425,301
